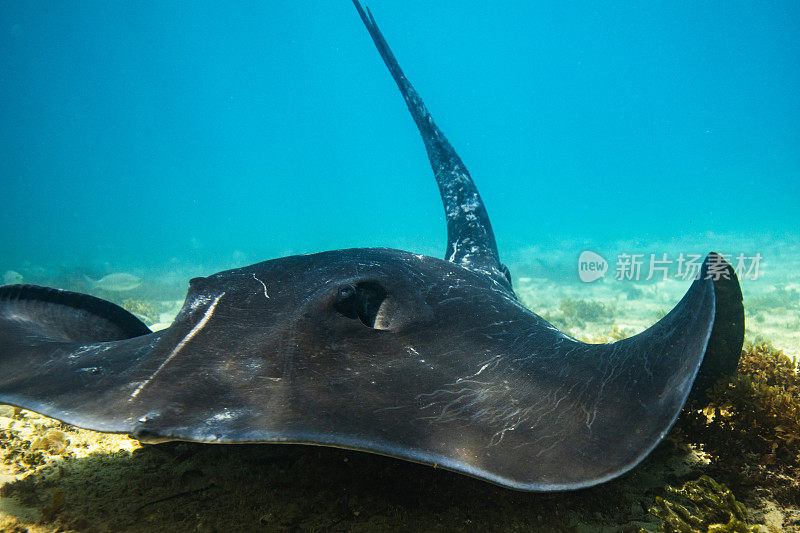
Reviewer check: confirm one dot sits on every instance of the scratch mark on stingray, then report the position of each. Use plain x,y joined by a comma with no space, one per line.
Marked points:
187,338
262,284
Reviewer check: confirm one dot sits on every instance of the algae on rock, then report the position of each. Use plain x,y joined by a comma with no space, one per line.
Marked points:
756,411
751,427
709,506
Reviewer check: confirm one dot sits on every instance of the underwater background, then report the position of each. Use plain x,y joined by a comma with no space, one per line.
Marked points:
167,140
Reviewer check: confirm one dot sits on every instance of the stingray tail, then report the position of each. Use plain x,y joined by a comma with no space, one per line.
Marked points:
470,239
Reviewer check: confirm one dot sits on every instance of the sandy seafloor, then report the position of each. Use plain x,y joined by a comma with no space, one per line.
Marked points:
58,478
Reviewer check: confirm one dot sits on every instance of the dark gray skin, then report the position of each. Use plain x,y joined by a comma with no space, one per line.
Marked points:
380,350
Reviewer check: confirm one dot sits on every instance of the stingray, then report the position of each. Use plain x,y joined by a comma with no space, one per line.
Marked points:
386,351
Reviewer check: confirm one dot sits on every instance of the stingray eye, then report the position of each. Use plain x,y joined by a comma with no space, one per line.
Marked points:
367,301
346,302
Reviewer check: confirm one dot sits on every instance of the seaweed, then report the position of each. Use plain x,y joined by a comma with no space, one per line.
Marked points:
144,311
751,427
780,297
660,313
701,505
616,334
579,311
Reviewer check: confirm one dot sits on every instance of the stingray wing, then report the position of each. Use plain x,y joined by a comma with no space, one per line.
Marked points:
66,355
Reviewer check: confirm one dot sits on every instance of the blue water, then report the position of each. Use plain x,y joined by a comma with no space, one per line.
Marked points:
143,135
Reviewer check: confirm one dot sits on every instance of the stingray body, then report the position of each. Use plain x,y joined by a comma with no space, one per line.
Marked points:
430,360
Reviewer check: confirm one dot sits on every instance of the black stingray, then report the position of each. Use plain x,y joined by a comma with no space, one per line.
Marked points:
380,350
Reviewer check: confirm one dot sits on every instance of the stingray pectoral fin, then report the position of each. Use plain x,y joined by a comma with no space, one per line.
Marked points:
561,414
33,312
68,355
622,398
727,336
